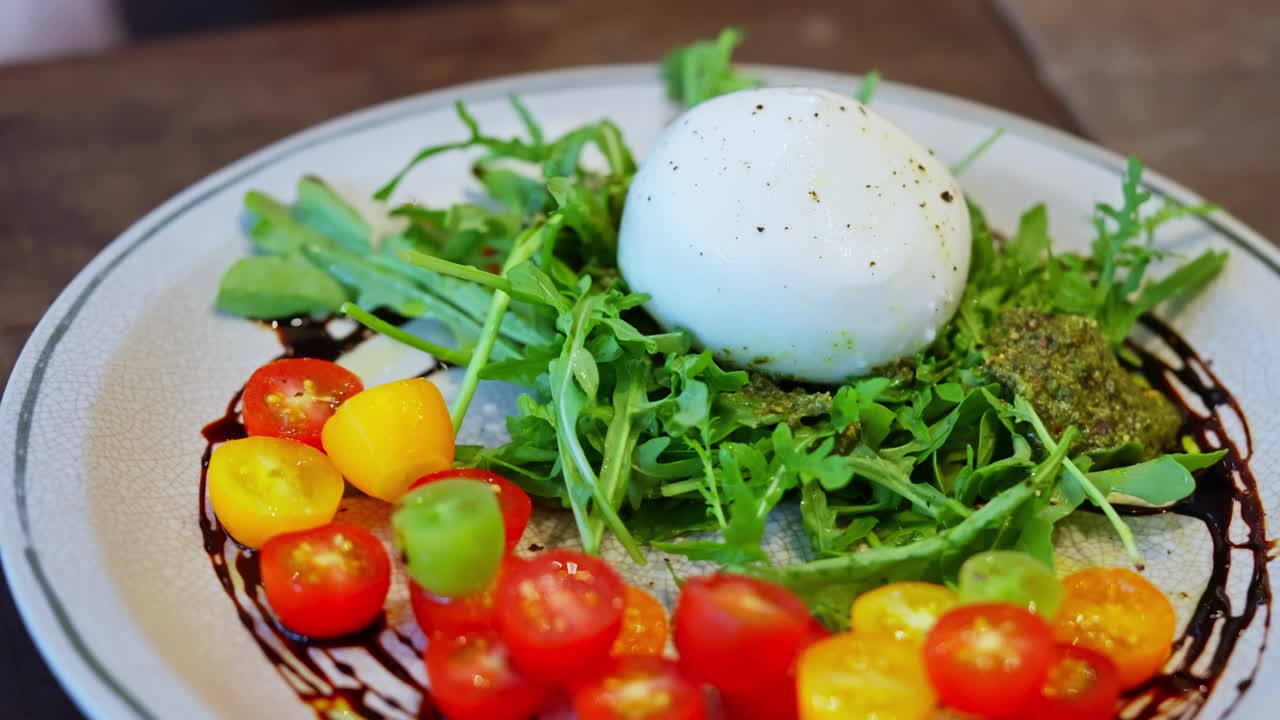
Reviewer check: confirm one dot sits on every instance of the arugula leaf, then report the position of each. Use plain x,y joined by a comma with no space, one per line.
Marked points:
1104,284
321,208
853,400
867,87
858,529
753,486
1023,411
1118,319
816,464
274,287
981,149
659,520
630,404
1055,498
1030,244
373,322
525,195
648,461
531,126
463,233
1155,483
472,301
926,499
1199,461
376,287
819,520
830,584
513,148
274,230
703,70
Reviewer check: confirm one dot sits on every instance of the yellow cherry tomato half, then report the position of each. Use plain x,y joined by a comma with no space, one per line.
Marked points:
385,437
864,676
264,486
1120,614
905,610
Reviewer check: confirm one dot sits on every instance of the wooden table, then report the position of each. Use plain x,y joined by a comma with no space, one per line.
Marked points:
89,145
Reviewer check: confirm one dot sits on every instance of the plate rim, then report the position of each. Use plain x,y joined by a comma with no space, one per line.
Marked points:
79,671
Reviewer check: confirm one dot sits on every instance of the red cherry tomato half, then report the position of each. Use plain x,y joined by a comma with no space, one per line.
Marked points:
640,688
327,581
990,659
293,398
472,678
775,702
559,613
739,633
453,616
514,502
1081,685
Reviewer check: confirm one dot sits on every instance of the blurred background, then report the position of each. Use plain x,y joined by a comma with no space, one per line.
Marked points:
1187,85
110,107
36,29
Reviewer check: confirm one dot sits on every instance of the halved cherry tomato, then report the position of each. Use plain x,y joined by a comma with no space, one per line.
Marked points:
644,625
864,676
326,582
514,502
989,660
906,610
450,534
1009,576
292,398
384,438
453,616
1120,614
472,679
559,613
1082,685
774,702
640,688
739,633
260,487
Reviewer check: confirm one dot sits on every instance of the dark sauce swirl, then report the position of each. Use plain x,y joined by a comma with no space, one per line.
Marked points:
320,677
1224,493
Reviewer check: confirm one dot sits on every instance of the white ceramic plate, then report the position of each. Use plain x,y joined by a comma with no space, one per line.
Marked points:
99,426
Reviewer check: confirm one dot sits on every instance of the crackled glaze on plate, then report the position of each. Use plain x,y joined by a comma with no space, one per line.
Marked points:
99,426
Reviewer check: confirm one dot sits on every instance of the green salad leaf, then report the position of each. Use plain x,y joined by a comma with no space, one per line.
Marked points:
704,69
867,88
278,286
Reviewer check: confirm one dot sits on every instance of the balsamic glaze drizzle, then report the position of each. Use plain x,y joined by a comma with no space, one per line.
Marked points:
1223,492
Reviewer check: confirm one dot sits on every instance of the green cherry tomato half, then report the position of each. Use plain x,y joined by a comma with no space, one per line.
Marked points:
451,536
1008,576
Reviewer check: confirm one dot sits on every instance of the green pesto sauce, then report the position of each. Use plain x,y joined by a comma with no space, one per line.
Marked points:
762,403
1064,367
